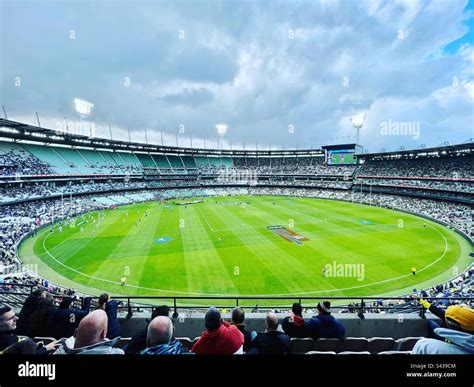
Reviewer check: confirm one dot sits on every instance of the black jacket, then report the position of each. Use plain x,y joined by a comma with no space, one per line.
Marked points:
7,339
247,336
29,307
292,329
270,343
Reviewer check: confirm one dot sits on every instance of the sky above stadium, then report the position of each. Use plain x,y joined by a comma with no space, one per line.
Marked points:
278,73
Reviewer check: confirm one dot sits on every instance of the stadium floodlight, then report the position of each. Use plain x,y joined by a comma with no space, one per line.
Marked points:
357,121
83,108
221,129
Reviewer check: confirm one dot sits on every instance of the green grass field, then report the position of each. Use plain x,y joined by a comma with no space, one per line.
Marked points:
223,247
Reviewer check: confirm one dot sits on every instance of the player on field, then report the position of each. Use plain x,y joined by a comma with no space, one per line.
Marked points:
122,281
413,270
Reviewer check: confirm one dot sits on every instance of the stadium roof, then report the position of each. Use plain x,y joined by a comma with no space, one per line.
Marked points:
24,132
18,131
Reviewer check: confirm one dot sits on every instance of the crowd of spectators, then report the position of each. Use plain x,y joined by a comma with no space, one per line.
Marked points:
439,167
446,185
88,329
13,163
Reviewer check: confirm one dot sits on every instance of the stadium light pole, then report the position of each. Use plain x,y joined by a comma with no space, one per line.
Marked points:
221,130
83,109
358,122
38,120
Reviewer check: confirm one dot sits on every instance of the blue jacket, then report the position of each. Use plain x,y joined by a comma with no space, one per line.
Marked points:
60,322
113,329
173,348
324,325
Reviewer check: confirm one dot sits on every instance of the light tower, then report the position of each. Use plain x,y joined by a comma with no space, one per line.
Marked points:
358,121
83,109
221,130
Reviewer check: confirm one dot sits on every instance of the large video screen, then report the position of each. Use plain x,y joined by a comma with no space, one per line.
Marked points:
341,156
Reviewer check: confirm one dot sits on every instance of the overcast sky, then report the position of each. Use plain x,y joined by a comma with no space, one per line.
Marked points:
277,73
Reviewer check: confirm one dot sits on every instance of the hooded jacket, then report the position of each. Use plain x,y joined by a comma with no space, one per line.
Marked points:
463,340
324,325
105,347
225,340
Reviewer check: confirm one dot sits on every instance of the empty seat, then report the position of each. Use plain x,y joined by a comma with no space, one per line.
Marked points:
320,353
327,345
301,345
123,341
406,343
354,353
380,344
355,344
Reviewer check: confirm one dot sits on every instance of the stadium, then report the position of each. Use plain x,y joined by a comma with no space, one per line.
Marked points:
156,241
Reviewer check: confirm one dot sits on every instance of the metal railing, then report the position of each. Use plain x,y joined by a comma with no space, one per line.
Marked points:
359,305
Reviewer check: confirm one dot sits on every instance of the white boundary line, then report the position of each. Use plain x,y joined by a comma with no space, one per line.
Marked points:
249,295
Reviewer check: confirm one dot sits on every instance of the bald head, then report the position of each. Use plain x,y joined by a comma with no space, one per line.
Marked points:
160,331
92,329
271,321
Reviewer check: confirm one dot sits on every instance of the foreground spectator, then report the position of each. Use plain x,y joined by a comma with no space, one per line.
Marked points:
294,325
325,325
272,341
238,318
455,343
138,341
8,321
221,338
160,340
90,338
30,306
111,308
458,339
458,317
12,344
64,320
39,323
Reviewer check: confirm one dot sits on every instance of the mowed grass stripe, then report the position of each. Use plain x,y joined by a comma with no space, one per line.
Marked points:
75,252
206,269
129,256
279,260
252,271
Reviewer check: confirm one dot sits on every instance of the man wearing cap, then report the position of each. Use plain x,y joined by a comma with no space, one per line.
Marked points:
459,317
458,336
324,325
220,338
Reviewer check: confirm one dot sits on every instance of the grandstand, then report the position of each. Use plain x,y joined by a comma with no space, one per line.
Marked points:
45,182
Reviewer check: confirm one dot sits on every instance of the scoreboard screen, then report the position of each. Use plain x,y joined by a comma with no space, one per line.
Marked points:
341,156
